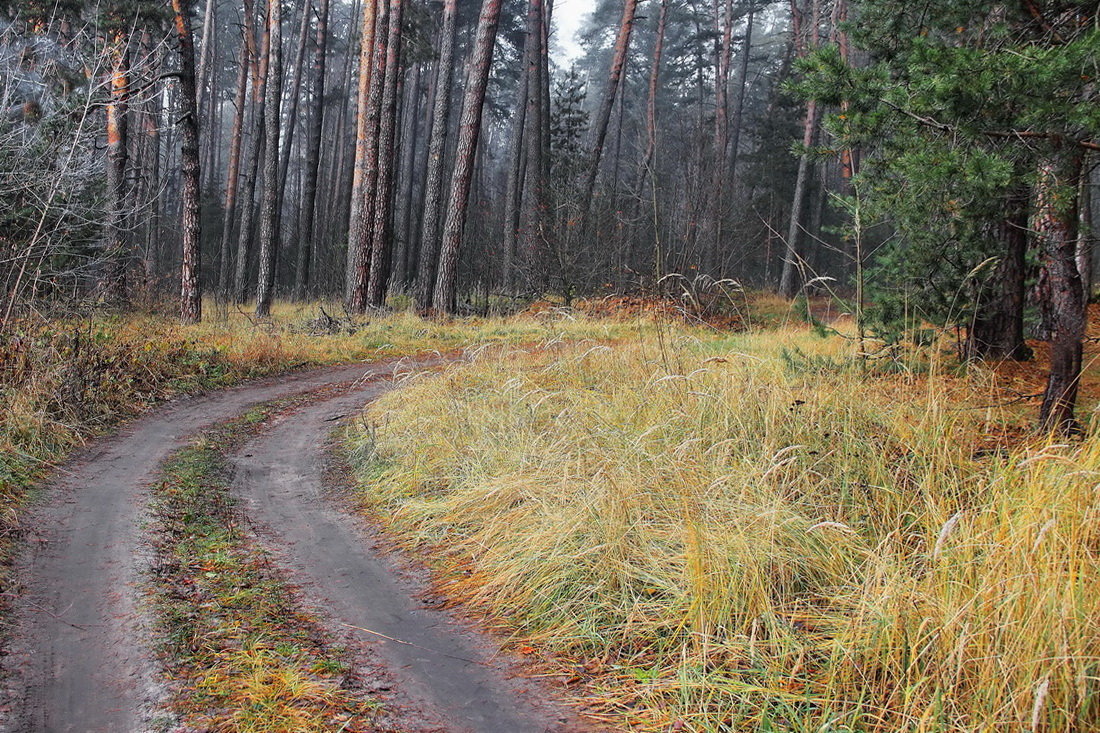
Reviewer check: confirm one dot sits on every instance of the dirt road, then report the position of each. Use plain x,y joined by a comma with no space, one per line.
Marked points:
457,678
79,658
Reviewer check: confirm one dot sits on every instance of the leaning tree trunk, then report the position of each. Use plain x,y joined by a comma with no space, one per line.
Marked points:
269,208
313,152
513,193
1061,298
536,170
190,287
469,127
603,118
437,152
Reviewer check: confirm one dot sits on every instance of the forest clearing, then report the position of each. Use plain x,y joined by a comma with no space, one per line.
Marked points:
542,365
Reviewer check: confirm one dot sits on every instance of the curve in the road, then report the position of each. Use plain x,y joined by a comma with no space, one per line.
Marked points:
77,661
455,675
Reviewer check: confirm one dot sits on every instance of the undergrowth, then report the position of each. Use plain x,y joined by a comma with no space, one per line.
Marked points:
239,652
719,538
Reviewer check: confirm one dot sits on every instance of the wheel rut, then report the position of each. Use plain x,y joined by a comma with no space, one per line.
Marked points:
456,678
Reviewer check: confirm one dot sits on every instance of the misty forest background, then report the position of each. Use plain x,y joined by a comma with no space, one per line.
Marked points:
927,163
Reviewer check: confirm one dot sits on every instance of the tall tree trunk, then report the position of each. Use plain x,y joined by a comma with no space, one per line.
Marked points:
233,167
403,205
723,22
739,101
205,80
381,243
291,115
190,287
437,152
269,209
513,193
114,285
359,222
313,151
536,169
603,117
150,198
259,71
790,280
469,127
1061,296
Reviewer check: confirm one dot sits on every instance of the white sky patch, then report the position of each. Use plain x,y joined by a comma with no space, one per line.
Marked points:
569,16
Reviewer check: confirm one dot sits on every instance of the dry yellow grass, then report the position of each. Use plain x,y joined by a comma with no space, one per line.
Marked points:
741,541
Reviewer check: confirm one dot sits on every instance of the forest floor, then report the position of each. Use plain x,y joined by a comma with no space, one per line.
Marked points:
662,525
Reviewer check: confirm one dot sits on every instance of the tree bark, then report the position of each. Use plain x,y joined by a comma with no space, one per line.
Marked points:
469,128
233,171
1061,296
437,150
190,270
381,243
313,152
998,328
114,285
359,222
409,141
259,72
269,208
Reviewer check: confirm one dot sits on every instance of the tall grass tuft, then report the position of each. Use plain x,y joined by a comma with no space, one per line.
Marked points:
736,542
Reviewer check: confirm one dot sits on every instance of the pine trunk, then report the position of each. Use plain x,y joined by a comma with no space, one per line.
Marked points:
190,270
998,329
114,285
469,128
603,118
427,266
259,72
359,223
381,241
233,172
313,152
269,206
1061,296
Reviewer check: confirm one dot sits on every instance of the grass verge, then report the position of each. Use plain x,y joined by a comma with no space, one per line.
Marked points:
755,534
239,653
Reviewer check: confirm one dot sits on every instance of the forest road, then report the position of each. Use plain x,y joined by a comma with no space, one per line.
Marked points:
79,657
455,678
